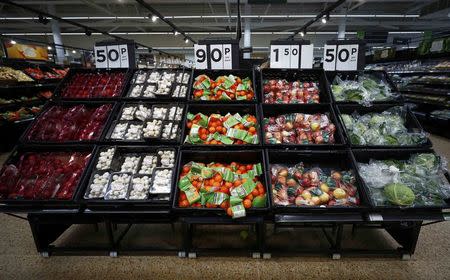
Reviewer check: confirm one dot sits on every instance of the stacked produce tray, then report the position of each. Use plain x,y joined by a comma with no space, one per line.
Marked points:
242,153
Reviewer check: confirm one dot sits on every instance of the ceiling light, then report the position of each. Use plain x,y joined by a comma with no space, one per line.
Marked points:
13,42
49,48
186,40
154,18
176,33
324,20
74,51
302,33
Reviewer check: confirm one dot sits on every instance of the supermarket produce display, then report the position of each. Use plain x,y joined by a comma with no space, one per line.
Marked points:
213,147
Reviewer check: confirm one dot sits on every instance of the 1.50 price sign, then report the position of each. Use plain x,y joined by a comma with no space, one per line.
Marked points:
291,55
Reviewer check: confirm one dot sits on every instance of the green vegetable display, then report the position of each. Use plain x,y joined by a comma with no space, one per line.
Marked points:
417,181
365,89
386,128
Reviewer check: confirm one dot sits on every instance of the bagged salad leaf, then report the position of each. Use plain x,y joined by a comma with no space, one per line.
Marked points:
364,90
385,128
418,181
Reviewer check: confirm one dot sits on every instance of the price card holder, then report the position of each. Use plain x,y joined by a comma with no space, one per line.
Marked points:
291,54
217,54
345,55
115,54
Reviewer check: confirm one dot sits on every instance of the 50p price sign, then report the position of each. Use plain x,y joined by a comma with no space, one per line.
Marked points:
114,55
343,57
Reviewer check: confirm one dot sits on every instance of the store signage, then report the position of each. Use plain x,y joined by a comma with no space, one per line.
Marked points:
114,55
343,57
291,55
216,54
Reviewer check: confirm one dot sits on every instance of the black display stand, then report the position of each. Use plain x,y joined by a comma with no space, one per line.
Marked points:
48,224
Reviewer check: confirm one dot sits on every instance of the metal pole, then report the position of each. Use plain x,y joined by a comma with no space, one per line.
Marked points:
56,30
341,28
247,33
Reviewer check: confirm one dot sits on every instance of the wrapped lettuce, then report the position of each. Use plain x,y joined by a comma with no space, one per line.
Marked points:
418,181
385,128
364,89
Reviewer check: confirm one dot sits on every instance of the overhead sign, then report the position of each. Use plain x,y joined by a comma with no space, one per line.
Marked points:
25,51
216,54
291,55
345,56
114,55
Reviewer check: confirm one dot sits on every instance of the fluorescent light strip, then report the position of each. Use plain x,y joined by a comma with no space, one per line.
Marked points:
222,16
201,33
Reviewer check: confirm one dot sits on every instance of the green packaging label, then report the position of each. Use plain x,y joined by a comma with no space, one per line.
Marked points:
230,122
238,211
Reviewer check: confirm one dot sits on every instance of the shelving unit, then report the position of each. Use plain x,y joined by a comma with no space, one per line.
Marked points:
50,219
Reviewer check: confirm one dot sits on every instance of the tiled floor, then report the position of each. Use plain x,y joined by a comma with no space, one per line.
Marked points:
19,260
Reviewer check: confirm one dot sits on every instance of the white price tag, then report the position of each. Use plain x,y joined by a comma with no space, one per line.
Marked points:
437,45
201,58
347,57
101,60
329,57
307,57
216,56
124,60
113,56
280,56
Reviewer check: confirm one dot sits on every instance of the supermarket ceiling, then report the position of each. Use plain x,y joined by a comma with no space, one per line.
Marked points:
211,18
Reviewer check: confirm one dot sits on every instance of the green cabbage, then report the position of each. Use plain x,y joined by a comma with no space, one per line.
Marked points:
399,194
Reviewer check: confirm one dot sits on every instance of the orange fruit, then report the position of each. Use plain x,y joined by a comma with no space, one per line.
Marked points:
186,169
249,196
229,212
189,124
255,192
183,196
212,129
218,178
224,205
184,204
203,137
247,203
237,183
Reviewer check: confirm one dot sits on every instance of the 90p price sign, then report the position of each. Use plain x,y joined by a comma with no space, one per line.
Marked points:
216,54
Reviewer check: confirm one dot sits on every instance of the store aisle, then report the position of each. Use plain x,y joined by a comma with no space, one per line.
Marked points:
19,260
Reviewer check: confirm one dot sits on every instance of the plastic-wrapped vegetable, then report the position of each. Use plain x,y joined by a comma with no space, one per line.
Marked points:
297,186
417,181
299,128
295,92
364,90
386,128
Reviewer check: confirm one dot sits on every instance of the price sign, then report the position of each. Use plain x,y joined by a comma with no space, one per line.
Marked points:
292,56
201,57
343,57
216,54
112,56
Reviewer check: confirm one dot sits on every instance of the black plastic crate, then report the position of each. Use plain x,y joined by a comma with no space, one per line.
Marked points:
28,205
365,155
243,156
221,109
305,75
213,74
58,91
411,123
353,75
273,110
342,160
23,138
126,204
151,141
158,98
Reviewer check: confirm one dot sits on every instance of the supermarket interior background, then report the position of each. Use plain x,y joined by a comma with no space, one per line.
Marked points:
327,122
